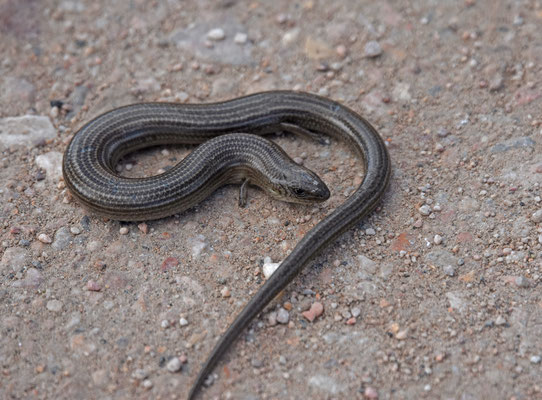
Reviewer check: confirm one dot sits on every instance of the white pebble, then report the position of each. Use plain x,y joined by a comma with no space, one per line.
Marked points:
147,384
537,216
216,34
75,230
283,316
44,238
240,38
536,359
437,239
269,267
183,321
356,312
164,324
500,320
124,230
174,364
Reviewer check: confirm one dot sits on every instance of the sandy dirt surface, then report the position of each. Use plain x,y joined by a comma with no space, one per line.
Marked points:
436,295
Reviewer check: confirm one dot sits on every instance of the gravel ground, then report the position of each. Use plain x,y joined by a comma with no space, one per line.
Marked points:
436,295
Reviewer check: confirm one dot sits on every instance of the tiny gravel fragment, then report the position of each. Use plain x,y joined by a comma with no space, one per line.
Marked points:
372,49
314,312
124,230
522,282
269,267
536,359
183,321
437,239
143,227
216,34
164,324
500,320
425,210
147,384
174,364
75,230
92,286
283,316
449,270
537,216
240,38
44,238
370,393
225,292
442,132
140,374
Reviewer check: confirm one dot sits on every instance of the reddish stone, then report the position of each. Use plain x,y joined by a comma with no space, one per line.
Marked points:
169,263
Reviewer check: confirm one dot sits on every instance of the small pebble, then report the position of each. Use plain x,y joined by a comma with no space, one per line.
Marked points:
425,210
314,312
537,216
283,316
124,230
93,286
174,364
372,49
147,384
356,312
370,393
402,335
500,320
183,321
535,359
225,292
272,318
449,270
522,282
351,321
240,38
437,239
143,227
216,34
44,238
140,374
164,324
443,132
269,267
370,232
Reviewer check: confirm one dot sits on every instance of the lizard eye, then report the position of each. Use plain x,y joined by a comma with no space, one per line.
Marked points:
299,192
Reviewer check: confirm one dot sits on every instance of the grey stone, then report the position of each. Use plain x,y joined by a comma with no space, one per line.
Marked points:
514,143
27,130
282,316
62,238
372,49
